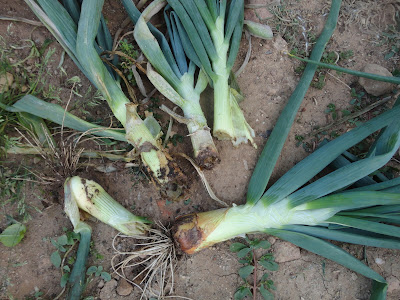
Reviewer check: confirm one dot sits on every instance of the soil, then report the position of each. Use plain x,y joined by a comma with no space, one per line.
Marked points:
267,82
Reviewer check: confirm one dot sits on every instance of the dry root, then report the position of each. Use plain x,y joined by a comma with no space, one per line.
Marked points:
148,262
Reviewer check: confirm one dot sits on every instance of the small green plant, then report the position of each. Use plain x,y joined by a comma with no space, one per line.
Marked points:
319,81
64,245
153,106
11,191
356,101
126,64
331,109
247,256
97,272
13,234
62,259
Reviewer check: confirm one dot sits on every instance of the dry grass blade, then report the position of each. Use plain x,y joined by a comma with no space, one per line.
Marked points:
131,91
204,181
62,159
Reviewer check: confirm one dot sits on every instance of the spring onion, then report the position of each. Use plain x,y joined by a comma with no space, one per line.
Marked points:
83,41
305,215
76,280
92,198
174,78
211,32
89,196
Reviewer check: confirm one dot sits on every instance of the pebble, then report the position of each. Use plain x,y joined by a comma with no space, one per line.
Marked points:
285,251
393,284
354,276
101,284
373,87
124,288
107,292
6,80
379,261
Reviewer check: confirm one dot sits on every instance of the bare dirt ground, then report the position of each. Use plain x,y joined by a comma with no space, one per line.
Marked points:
267,82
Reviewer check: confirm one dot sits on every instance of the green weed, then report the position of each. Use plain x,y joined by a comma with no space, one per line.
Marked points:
251,266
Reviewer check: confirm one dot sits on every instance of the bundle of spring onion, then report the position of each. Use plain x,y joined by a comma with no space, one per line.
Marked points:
211,32
76,28
174,76
325,209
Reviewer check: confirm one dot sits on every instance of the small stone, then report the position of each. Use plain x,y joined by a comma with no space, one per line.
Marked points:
379,261
124,288
271,240
107,292
354,276
263,13
285,251
101,284
393,284
6,80
374,87
280,44
24,88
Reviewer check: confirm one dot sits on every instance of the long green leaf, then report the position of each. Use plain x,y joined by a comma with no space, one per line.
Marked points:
207,16
341,177
342,161
379,186
380,228
151,49
352,200
73,9
58,115
379,210
336,254
175,40
342,236
315,162
77,277
186,44
193,36
212,6
394,80
235,42
200,26
272,149
90,60
134,14
234,17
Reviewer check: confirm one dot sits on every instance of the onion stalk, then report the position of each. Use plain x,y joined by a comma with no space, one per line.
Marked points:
93,199
174,76
83,43
89,196
305,215
212,32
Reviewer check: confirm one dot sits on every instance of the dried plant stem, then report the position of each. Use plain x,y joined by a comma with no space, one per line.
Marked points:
351,116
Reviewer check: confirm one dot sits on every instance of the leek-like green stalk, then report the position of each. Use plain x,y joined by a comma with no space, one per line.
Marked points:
211,31
305,215
92,198
89,196
174,77
76,280
79,40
